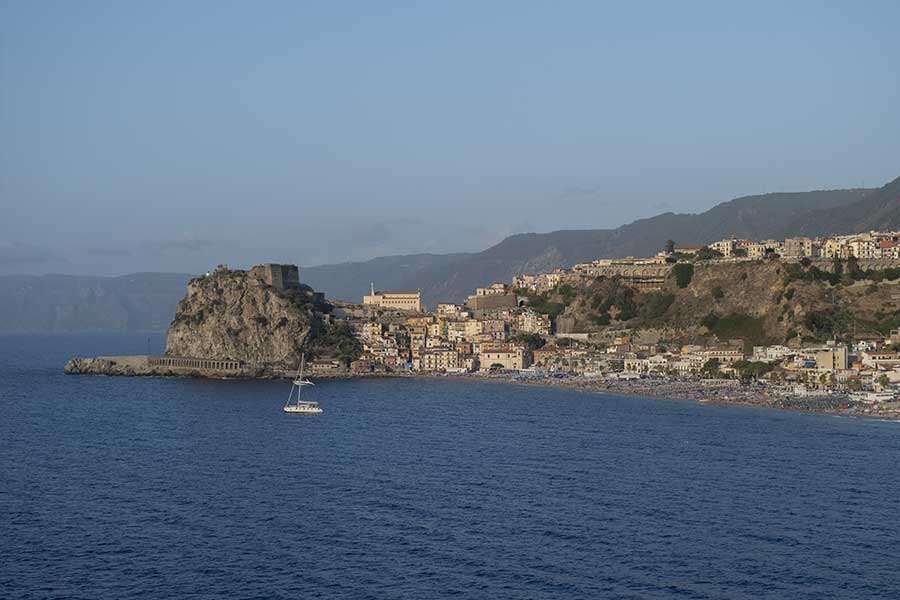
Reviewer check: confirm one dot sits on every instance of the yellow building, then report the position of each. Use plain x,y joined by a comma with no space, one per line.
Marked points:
833,247
511,359
439,359
831,358
472,328
371,330
725,247
399,300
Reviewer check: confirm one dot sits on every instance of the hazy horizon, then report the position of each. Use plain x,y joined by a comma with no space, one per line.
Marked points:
171,137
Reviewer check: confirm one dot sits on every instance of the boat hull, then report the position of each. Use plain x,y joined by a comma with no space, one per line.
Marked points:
306,410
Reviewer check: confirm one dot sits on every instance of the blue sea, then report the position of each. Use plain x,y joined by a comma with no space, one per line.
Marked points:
178,488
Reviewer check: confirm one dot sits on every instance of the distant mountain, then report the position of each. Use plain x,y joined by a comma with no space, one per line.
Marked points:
57,303
351,280
66,303
452,277
877,210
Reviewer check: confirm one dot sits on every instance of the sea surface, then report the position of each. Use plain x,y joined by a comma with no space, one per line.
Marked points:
178,488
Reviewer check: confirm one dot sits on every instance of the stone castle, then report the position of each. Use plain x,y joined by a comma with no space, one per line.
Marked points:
282,277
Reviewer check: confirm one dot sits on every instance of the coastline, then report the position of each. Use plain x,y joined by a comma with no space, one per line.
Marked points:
706,391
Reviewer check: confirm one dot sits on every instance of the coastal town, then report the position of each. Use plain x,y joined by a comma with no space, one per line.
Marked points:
603,325
497,332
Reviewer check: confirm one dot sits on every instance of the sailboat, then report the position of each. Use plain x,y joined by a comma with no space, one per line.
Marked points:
300,406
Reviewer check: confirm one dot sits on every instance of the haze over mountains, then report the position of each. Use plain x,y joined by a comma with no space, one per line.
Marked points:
147,301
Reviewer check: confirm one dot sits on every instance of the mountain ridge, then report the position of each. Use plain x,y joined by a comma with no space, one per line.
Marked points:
755,217
64,303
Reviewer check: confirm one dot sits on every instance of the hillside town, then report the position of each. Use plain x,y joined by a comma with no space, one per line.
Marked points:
498,332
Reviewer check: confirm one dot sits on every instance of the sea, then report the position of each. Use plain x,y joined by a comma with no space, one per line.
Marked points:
187,488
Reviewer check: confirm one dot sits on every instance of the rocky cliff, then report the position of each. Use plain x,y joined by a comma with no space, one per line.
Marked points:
758,302
233,315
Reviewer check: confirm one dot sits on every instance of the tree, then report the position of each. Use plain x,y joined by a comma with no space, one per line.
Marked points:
884,381
532,340
497,367
684,272
706,253
670,246
751,369
837,268
717,293
854,384
711,366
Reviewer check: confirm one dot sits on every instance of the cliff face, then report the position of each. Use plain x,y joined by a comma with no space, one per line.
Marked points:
233,315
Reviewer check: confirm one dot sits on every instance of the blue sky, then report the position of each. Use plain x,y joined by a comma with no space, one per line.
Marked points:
172,136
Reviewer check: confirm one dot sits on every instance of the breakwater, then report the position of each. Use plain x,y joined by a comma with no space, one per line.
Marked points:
146,365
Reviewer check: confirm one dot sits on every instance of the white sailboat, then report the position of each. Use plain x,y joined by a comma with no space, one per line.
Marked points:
300,406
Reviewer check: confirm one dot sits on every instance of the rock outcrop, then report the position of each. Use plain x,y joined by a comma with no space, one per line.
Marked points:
234,315
127,366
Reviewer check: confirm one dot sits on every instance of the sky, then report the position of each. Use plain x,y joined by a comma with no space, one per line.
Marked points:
174,136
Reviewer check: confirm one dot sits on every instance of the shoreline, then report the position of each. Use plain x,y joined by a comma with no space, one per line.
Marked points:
707,391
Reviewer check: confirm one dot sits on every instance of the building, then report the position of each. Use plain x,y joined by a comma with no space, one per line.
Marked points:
492,298
495,289
399,300
371,330
531,321
834,247
723,355
686,249
449,309
888,249
644,274
761,249
724,247
439,359
798,247
832,358
282,277
771,353
510,359
864,248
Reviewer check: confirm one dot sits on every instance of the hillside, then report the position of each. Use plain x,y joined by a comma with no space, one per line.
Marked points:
758,302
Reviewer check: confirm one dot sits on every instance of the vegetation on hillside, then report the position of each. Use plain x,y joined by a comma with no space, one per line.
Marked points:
533,341
684,273
737,326
336,340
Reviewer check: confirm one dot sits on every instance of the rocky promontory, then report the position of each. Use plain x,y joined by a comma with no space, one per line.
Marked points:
238,315
231,322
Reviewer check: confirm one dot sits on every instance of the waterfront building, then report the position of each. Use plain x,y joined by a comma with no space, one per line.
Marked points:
831,358
512,358
723,355
439,359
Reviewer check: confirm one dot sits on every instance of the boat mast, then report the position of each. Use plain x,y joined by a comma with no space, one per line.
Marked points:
300,385
291,394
